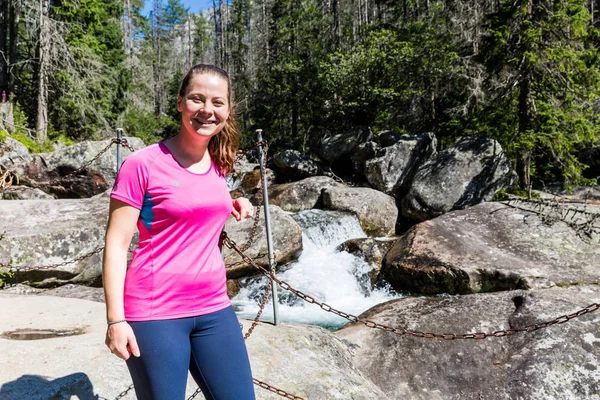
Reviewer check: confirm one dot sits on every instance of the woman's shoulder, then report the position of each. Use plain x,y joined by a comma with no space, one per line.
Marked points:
146,155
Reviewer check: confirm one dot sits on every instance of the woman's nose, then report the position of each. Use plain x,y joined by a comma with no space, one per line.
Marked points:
206,107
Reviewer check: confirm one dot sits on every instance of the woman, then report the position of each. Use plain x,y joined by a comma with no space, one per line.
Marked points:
169,311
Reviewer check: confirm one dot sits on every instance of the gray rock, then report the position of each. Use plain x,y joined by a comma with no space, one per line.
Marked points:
361,154
11,148
396,166
371,250
294,165
389,138
491,247
48,171
301,195
45,232
72,291
467,173
252,180
583,193
73,157
241,167
287,242
376,211
338,146
24,193
559,362
303,360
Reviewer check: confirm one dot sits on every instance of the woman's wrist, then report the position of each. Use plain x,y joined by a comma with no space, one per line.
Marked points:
109,323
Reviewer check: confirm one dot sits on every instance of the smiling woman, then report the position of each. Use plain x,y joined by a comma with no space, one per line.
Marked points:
169,308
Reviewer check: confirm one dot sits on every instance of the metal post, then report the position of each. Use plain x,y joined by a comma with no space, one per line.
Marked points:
119,157
263,172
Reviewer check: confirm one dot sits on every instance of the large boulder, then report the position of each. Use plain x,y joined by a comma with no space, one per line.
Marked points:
294,165
73,157
252,181
81,366
301,195
11,148
558,362
472,170
241,167
53,172
39,233
339,146
494,246
287,242
389,138
376,211
361,154
396,166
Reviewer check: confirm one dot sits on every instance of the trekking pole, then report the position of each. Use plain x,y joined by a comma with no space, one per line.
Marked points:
119,156
263,172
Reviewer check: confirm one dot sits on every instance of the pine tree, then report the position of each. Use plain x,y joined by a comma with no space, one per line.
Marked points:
545,80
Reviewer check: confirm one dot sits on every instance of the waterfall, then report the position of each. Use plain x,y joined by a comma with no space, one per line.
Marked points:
337,278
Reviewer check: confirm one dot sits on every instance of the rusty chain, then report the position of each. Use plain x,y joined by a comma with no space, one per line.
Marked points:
401,331
252,236
273,389
12,268
122,141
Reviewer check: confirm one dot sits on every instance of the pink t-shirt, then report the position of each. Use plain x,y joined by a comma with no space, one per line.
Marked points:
177,269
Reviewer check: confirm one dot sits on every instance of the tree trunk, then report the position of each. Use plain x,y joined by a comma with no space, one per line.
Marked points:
4,23
14,15
41,126
525,113
156,65
525,125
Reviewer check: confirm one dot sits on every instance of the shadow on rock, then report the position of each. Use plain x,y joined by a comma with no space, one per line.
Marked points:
35,387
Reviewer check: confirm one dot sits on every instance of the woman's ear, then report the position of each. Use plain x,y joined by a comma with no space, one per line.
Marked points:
179,100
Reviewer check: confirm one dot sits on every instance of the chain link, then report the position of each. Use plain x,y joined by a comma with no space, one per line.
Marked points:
122,141
11,268
401,331
273,389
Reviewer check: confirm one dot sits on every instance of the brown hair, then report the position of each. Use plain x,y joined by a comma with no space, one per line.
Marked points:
224,145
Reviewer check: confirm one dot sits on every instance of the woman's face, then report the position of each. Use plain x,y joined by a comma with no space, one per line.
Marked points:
205,105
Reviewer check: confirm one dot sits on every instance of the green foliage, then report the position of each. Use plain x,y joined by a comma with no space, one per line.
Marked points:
529,50
147,126
506,193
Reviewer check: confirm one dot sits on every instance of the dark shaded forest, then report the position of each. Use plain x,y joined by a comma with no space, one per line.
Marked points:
525,72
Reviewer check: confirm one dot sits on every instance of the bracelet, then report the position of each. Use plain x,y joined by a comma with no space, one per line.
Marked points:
109,323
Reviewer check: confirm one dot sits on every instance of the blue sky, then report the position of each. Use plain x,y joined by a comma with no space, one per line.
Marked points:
195,6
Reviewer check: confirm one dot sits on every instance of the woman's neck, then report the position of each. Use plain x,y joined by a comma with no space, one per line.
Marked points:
190,149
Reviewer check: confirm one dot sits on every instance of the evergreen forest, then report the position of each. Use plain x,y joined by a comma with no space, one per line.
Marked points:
525,72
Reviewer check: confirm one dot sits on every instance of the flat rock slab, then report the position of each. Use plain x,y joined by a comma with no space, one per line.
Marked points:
493,247
558,362
306,361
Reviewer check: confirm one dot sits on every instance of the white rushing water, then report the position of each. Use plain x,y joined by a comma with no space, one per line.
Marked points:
336,278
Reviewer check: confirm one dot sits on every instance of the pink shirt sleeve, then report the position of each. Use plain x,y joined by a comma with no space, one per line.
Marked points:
131,183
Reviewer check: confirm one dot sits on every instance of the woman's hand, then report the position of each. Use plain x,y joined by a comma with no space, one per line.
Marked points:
120,339
241,208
